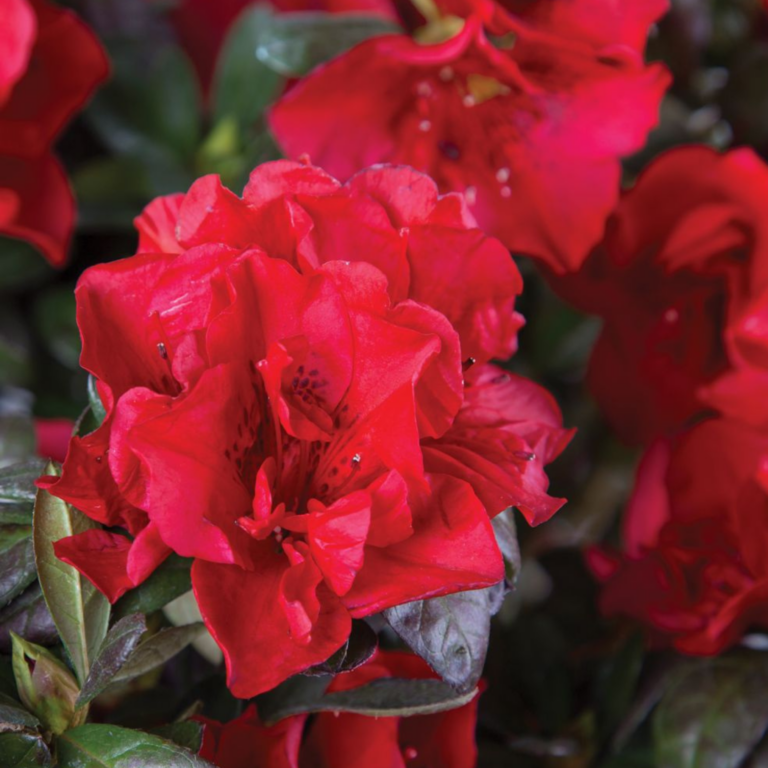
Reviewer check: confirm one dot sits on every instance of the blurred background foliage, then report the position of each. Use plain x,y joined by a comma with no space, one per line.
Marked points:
566,687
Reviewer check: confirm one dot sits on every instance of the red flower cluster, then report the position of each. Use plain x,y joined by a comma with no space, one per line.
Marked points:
695,567
334,740
681,282
50,65
526,107
288,405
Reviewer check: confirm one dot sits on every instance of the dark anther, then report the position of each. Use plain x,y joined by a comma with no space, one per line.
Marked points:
468,363
162,350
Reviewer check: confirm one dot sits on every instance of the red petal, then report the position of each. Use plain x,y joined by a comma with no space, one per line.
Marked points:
36,204
453,549
243,611
337,535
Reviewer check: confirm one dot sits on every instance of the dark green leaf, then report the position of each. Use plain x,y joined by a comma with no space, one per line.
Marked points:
361,644
293,44
151,105
714,713
450,633
24,750
386,697
79,610
16,514
97,407
14,717
243,85
158,649
21,265
17,482
17,430
617,684
28,616
187,734
116,649
56,324
168,582
17,561
107,746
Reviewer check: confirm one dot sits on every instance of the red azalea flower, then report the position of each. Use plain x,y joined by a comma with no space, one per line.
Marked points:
694,567
51,65
342,740
268,422
528,116
678,282
202,25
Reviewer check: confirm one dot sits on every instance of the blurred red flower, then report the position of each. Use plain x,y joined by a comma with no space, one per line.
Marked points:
680,282
53,437
281,419
526,110
343,740
50,65
694,567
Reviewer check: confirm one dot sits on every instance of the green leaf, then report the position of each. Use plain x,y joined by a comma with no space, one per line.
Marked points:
360,646
16,514
17,562
188,734
79,610
714,713
17,482
21,265
24,750
386,697
14,717
45,685
157,650
107,746
55,320
168,582
115,651
152,104
293,44
450,633
28,616
94,400
243,86
17,432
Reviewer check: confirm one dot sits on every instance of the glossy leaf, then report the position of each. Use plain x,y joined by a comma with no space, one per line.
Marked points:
294,44
17,562
79,610
107,746
17,482
188,734
361,644
450,633
168,582
28,616
385,697
115,651
243,85
158,649
714,713
97,407
24,750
